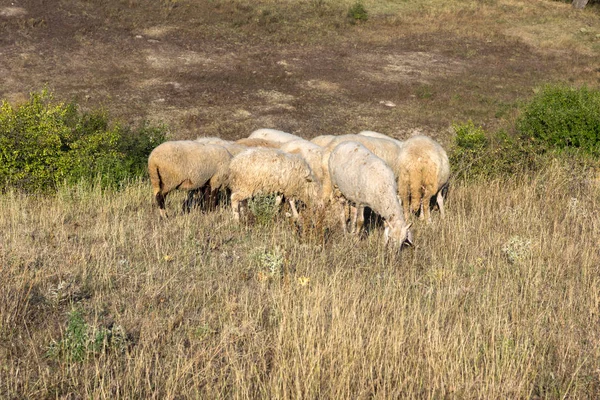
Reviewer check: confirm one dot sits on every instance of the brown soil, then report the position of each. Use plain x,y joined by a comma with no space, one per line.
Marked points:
224,68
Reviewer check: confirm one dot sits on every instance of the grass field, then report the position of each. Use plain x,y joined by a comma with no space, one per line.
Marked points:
99,298
499,300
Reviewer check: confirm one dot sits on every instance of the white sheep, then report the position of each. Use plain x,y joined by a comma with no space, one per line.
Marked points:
273,135
366,180
233,147
187,165
385,149
380,136
322,140
424,171
313,155
258,142
265,171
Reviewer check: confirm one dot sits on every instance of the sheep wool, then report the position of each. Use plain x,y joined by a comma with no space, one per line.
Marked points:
273,135
313,155
264,171
366,180
424,171
378,135
186,165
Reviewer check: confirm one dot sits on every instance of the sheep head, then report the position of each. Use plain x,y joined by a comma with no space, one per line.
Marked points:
398,233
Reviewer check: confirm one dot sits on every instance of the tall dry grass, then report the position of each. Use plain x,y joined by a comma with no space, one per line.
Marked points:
500,300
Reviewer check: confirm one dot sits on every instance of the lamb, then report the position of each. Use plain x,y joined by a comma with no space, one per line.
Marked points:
187,165
366,180
264,171
273,135
381,136
424,171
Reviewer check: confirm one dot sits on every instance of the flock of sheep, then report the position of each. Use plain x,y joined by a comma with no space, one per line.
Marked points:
393,178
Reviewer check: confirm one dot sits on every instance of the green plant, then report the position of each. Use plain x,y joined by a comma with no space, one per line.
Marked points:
562,117
44,143
358,13
81,340
264,208
478,154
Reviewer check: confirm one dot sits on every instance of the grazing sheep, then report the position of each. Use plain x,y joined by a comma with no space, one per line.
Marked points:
424,171
187,165
313,155
385,149
256,142
323,140
233,147
381,136
273,135
264,171
366,180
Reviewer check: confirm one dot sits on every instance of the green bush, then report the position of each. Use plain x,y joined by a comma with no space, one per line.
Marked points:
478,154
358,13
44,143
264,208
560,117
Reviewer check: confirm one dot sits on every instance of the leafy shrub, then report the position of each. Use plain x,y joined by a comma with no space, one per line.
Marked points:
264,208
478,154
81,340
560,117
358,13
44,143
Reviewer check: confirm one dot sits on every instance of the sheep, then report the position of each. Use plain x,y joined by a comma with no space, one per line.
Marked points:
361,177
381,136
323,140
233,147
264,171
385,149
273,135
186,165
258,142
424,171
313,155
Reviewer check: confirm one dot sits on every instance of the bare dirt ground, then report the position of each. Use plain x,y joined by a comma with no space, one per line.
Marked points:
225,68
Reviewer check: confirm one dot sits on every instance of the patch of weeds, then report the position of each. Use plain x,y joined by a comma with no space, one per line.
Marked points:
424,92
357,13
516,249
81,341
264,208
270,263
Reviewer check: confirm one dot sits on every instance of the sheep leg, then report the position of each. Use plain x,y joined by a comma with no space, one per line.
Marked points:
354,215
440,203
278,200
160,200
236,199
189,201
360,222
342,214
294,210
425,209
212,199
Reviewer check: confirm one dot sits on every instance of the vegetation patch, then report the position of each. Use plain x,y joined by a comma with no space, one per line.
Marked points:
44,143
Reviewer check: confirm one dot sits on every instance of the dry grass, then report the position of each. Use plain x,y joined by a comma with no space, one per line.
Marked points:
500,300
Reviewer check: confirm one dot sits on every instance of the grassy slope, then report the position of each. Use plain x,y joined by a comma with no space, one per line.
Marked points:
500,300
